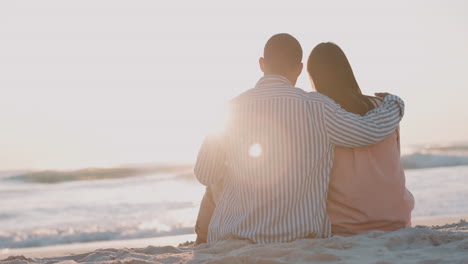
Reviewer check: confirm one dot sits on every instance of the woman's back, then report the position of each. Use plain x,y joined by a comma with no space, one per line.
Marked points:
367,189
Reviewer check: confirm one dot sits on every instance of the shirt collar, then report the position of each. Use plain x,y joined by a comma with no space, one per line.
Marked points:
273,81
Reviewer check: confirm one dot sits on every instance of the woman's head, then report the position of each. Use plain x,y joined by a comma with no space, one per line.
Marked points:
331,75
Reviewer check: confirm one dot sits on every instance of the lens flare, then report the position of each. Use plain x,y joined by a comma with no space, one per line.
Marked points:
255,150
220,120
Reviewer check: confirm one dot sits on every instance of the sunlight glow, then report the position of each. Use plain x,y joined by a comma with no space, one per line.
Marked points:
255,150
219,120
146,82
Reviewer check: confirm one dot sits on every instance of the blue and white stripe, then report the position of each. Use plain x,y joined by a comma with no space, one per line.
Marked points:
281,194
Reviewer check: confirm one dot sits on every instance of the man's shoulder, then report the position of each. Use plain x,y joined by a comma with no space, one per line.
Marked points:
254,94
318,97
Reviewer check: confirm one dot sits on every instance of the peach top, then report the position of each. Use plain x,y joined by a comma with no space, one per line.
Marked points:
367,189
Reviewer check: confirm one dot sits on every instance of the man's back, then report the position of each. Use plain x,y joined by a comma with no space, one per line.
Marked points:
272,147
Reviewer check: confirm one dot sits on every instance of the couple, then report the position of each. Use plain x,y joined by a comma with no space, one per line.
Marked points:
293,164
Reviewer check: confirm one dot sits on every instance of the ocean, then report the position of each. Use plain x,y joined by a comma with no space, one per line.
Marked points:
56,207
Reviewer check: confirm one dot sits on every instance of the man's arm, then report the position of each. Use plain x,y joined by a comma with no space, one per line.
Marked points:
210,167
352,130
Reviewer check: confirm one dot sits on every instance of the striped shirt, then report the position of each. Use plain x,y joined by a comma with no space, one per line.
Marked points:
274,160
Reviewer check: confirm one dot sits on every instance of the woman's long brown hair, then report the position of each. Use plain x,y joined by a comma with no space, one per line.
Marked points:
332,76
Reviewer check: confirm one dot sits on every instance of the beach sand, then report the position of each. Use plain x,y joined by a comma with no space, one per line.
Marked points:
435,242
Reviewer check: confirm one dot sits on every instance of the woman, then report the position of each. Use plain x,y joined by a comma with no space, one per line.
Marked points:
367,184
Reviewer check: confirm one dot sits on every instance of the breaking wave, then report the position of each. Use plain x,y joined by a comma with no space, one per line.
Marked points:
424,160
51,176
53,236
436,156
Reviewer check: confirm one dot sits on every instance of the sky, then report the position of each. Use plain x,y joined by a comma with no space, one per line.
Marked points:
106,83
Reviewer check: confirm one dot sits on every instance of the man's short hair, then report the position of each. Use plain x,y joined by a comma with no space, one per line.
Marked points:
282,52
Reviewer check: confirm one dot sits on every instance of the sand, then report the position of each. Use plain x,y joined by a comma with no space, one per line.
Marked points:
420,244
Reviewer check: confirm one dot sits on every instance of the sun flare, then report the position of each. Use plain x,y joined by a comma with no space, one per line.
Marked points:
255,150
219,120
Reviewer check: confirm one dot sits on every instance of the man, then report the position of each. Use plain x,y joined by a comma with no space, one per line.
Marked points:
274,158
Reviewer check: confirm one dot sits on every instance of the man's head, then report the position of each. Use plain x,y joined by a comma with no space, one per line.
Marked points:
282,56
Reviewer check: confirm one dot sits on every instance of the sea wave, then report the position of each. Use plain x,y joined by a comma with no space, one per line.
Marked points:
436,155
421,157
52,176
457,148
66,235
428,160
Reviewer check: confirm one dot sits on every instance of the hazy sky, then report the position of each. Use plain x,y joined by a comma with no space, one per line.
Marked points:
100,83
